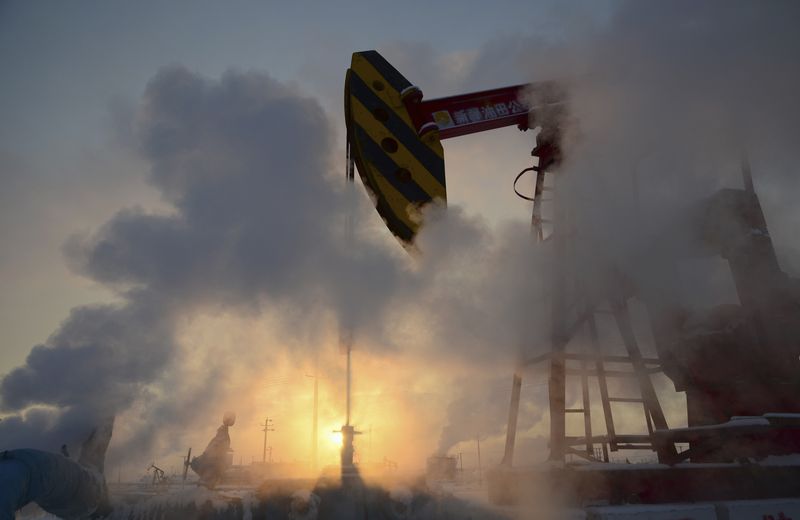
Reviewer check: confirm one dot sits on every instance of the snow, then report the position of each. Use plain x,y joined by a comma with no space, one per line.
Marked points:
780,509
782,460
735,422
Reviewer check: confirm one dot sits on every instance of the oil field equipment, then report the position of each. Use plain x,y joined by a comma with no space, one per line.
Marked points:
741,414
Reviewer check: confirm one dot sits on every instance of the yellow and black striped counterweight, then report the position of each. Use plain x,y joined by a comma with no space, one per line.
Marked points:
402,170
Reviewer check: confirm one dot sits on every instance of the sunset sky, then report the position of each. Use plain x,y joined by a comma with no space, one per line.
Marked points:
178,168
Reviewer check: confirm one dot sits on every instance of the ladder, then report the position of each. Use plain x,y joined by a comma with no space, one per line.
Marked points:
591,364
640,370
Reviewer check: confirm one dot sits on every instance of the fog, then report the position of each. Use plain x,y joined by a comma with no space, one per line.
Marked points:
247,277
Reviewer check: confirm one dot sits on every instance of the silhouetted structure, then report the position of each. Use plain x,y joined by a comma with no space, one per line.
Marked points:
60,486
211,465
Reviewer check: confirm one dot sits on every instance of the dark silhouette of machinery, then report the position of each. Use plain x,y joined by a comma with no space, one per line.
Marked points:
759,341
159,477
186,463
211,465
738,364
59,485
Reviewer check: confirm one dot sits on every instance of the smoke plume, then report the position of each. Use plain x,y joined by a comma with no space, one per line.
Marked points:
663,100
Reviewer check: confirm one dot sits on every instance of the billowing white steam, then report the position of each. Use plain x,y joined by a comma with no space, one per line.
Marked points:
664,93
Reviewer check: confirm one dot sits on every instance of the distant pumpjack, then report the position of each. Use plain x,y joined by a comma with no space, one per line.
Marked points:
211,465
60,486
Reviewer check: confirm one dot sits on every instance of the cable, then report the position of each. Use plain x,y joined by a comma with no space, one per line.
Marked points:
518,177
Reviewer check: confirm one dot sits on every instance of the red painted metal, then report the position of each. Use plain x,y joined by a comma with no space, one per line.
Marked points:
485,110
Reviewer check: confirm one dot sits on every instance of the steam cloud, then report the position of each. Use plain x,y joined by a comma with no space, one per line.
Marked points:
257,227
664,100
666,93
243,161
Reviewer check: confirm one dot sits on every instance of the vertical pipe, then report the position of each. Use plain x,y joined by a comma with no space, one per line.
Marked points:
346,330
264,452
348,228
480,469
557,380
513,414
603,384
587,413
314,426
536,214
348,384
666,450
557,390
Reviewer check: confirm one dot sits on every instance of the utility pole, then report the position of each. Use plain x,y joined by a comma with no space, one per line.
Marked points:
349,377
480,473
314,424
267,428
348,432
346,334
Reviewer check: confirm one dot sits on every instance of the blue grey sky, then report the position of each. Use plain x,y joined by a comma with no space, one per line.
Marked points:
70,70
64,61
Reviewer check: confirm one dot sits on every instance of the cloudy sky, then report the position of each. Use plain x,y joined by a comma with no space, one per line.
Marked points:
72,74
172,197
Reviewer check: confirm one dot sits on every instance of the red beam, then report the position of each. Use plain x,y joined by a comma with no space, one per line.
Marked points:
485,110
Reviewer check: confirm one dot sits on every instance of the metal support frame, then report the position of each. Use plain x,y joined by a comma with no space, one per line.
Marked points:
642,368
561,334
513,413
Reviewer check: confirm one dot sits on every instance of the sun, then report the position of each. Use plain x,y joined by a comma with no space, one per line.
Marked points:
336,438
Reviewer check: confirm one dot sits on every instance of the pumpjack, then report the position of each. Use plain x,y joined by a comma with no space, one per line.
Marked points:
739,365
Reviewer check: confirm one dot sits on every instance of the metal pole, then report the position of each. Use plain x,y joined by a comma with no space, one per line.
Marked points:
266,430
536,213
602,383
480,474
314,427
513,413
348,228
347,423
559,339
666,450
587,413
346,334
264,452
